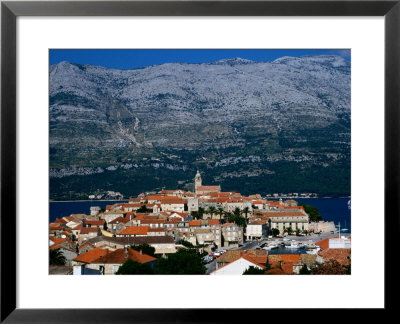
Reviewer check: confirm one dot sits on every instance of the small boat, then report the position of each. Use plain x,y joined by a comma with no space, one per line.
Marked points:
293,245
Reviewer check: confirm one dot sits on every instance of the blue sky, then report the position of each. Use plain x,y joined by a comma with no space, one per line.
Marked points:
136,58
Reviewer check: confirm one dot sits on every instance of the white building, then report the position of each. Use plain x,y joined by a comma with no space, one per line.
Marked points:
237,267
340,243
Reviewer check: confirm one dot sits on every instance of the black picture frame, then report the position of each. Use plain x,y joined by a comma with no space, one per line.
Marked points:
10,10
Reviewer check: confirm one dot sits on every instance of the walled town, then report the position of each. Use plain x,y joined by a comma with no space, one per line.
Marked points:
207,231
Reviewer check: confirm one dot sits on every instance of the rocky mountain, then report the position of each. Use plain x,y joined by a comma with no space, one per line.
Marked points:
251,126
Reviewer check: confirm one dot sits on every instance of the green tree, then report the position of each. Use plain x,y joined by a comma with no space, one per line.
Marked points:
297,232
131,267
186,243
145,248
304,270
211,211
313,212
220,212
201,212
56,257
246,211
289,230
143,209
181,262
254,271
195,214
275,232
105,227
236,217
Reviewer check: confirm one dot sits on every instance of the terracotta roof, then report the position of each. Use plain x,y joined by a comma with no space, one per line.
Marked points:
287,267
77,227
257,202
91,255
135,230
261,261
340,255
156,230
152,221
206,188
227,224
233,255
213,221
119,220
256,223
249,257
58,240
282,214
194,223
323,244
95,222
87,230
120,256
154,197
277,258
172,200
60,221
134,240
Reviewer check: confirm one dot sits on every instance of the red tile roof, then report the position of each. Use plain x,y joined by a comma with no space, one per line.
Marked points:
119,220
135,230
152,221
87,230
172,200
213,221
287,267
282,214
323,244
156,230
120,256
208,188
260,260
95,222
91,255
340,255
60,221
194,223
58,240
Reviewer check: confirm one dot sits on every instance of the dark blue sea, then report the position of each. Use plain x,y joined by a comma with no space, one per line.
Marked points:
331,209
65,208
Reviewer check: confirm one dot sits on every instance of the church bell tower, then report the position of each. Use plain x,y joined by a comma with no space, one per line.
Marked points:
197,180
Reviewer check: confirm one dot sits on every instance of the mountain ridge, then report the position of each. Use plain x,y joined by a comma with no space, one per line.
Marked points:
291,110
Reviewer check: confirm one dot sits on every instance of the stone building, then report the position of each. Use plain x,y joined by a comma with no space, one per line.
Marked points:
232,235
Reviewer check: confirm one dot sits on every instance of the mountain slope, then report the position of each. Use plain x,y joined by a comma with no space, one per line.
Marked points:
235,119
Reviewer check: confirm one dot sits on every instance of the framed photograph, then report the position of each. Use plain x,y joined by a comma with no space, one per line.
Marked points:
139,135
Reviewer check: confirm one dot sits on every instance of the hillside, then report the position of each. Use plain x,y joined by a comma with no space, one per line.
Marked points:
250,126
